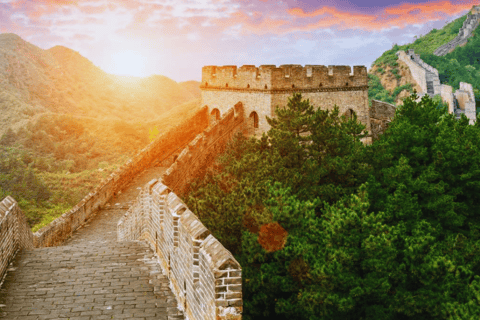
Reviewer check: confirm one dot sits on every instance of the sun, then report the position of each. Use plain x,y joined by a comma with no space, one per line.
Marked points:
128,63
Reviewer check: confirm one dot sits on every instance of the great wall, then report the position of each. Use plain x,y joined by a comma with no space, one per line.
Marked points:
460,102
262,89
465,32
185,273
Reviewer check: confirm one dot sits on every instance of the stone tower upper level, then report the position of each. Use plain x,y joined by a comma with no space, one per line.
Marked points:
285,77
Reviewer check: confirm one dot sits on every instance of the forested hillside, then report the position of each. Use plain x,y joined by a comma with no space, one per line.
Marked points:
326,227
65,124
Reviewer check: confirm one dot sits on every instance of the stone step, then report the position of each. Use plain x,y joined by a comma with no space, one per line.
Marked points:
430,87
95,280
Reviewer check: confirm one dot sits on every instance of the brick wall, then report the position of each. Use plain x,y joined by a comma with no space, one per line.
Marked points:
419,74
283,77
15,234
162,148
202,151
447,96
204,276
261,90
381,114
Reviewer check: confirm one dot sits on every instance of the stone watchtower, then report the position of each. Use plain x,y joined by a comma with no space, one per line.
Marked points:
261,90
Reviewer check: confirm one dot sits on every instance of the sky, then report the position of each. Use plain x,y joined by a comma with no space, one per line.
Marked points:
176,38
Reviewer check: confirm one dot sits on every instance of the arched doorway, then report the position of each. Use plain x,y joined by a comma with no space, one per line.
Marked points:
349,114
214,115
253,123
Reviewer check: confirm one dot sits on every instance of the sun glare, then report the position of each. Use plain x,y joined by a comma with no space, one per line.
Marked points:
128,63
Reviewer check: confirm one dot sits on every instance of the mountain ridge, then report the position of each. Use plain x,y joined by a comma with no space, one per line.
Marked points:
61,80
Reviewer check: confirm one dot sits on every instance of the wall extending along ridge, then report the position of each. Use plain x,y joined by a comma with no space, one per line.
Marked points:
162,148
15,234
427,78
204,276
421,72
465,32
202,151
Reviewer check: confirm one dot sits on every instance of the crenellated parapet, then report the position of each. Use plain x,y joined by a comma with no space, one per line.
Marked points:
466,31
285,77
15,234
204,276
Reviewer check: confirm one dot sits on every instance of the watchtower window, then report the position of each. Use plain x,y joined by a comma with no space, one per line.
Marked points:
346,83
349,114
293,86
254,120
320,85
206,84
214,115
226,85
265,86
248,86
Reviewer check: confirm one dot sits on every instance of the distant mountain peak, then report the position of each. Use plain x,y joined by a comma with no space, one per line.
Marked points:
10,36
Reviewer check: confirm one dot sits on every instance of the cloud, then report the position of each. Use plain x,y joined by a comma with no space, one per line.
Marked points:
191,33
392,16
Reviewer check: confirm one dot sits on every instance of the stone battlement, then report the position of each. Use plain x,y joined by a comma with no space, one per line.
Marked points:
466,31
291,76
204,276
15,234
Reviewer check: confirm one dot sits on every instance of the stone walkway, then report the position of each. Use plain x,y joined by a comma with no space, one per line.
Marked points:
91,276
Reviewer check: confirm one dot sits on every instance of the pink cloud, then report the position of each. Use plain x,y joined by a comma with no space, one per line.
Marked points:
399,16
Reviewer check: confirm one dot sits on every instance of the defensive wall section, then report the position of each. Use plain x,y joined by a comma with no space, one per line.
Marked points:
465,32
202,151
204,276
465,99
422,73
462,101
15,234
162,148
381,114
264,88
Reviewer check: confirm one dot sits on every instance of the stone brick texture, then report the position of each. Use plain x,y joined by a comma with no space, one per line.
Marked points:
381,114
162,148
261,90
202,151
15,234
204,276
463,98
418,72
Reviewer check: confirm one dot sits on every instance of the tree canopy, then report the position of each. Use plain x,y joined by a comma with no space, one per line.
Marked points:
328,228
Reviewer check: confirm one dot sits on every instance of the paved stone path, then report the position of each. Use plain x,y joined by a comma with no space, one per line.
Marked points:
91,276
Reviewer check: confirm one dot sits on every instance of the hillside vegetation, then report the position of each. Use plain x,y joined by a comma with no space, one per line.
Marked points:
60,80
460,65
65,124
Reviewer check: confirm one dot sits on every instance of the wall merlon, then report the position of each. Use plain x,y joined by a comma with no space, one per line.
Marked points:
270,77
193,225
15,233
188,253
